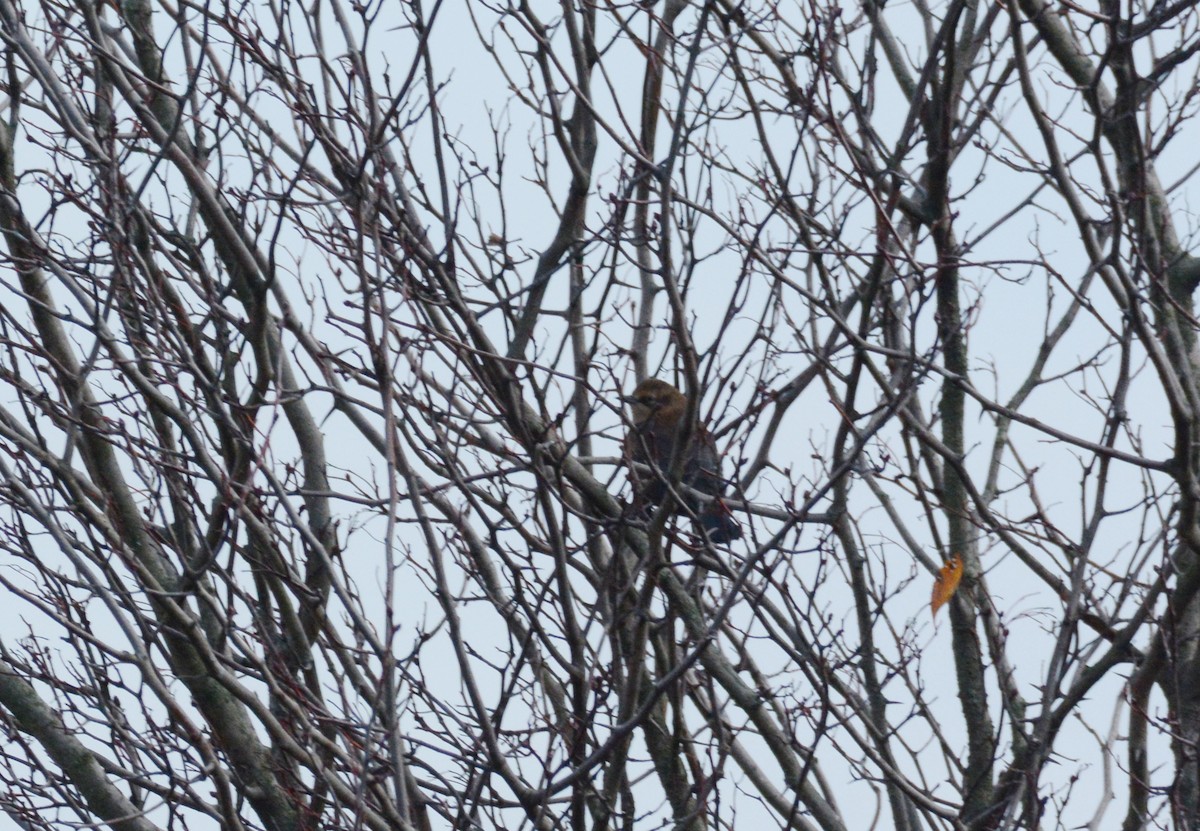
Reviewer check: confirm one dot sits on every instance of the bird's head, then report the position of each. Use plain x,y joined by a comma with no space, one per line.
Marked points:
656,399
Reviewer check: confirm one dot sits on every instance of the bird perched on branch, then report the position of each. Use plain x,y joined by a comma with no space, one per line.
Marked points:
658,411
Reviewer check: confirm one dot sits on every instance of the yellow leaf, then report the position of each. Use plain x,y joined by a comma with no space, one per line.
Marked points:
946,583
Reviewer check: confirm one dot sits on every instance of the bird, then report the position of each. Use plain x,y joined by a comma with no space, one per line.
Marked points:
658,410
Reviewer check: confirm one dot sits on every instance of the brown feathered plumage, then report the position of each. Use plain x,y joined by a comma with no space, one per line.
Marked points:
658,411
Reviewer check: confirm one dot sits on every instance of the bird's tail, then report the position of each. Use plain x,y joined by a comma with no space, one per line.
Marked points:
719,524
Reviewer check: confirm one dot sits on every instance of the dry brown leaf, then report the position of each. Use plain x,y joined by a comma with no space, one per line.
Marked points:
946,583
